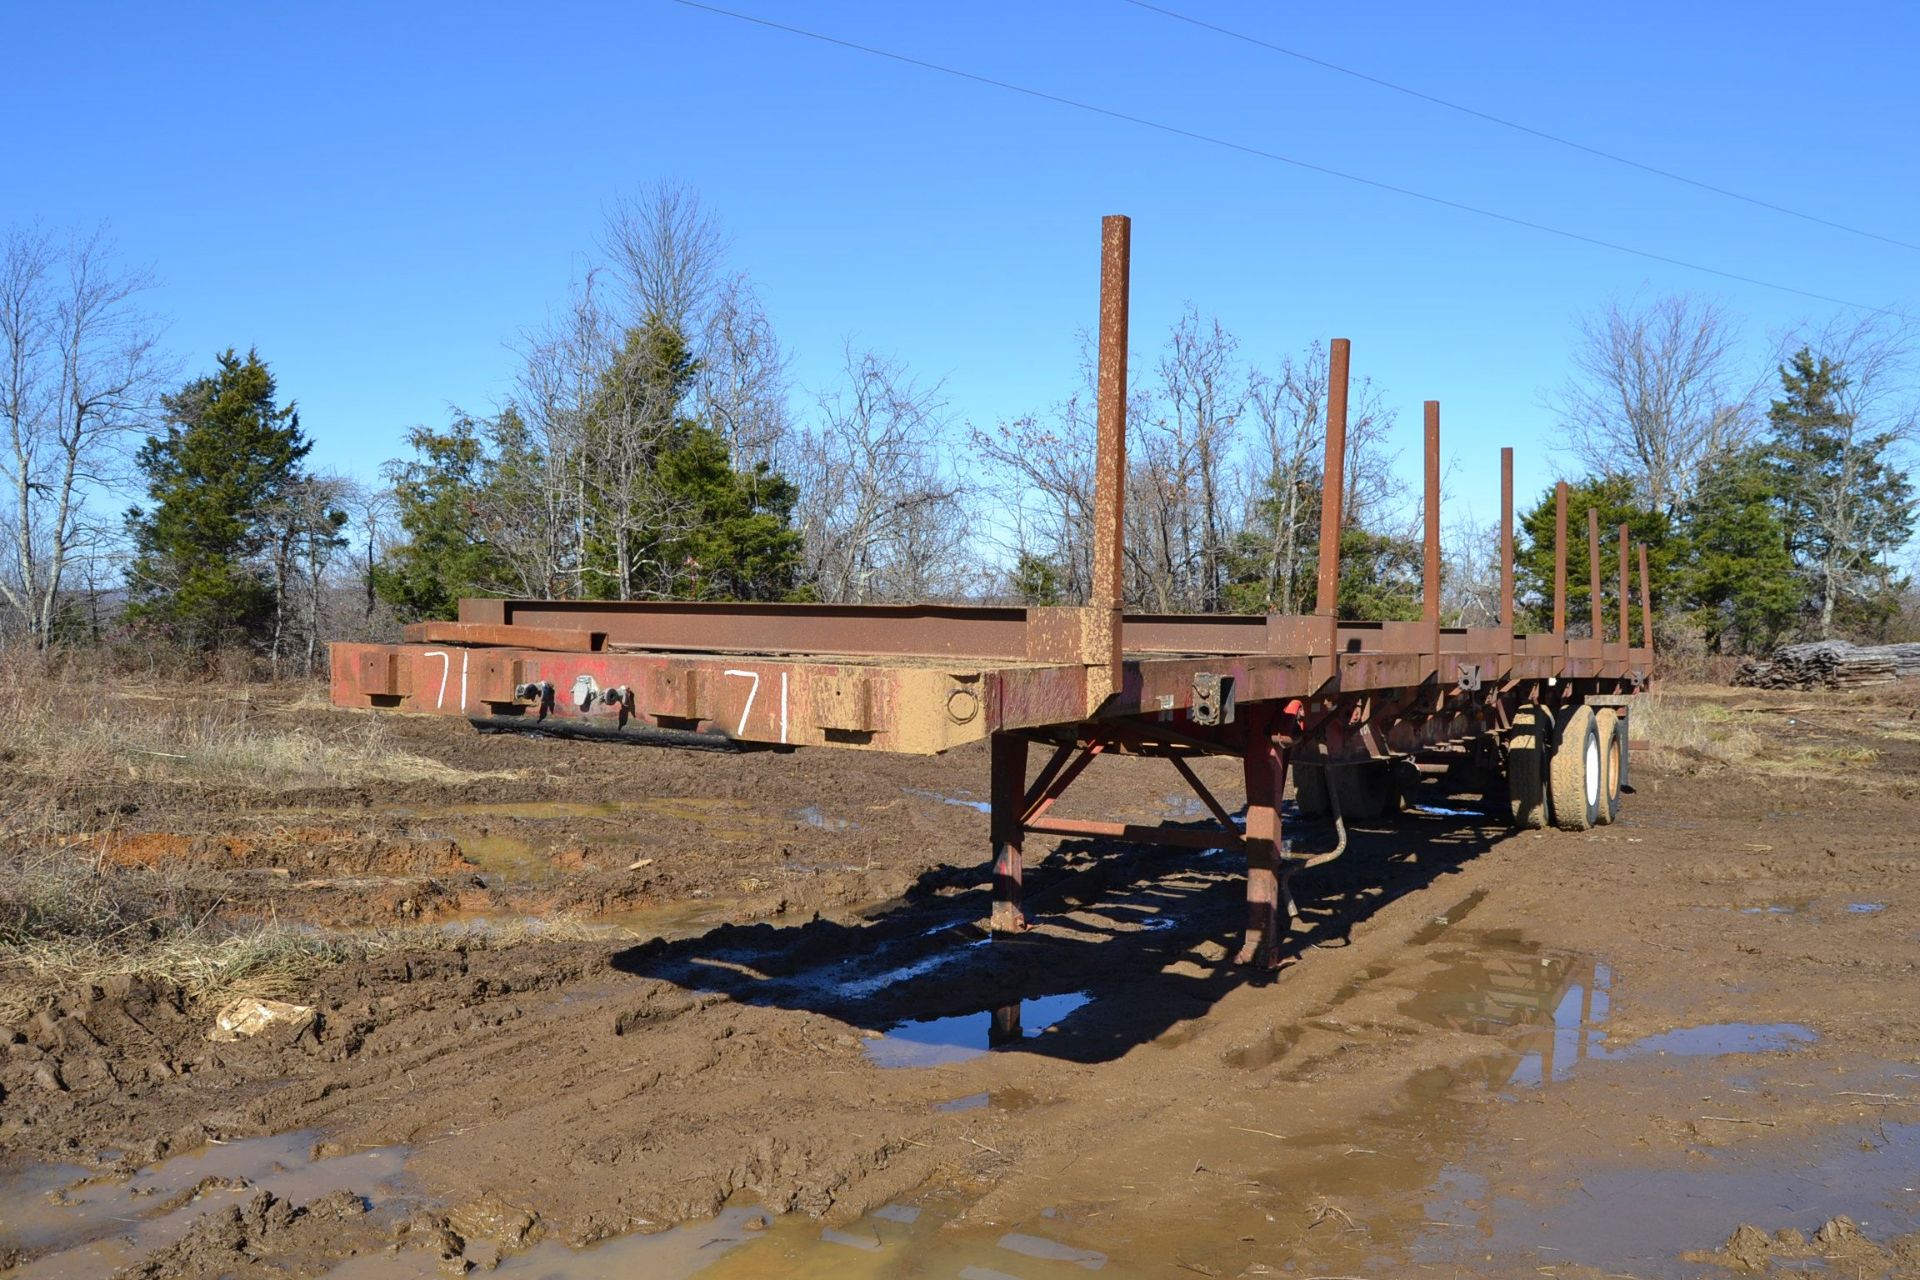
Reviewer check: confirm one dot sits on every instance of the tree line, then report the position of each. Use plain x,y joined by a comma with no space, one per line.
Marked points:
651,448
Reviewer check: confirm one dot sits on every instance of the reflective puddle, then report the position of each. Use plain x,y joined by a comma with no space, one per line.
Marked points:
939,1041
1641,1221
963,800
1553,1008
88,1226
905,1238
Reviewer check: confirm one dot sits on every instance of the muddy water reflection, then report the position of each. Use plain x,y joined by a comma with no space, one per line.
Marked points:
1639,1220
919,1237
940,1041
86,1225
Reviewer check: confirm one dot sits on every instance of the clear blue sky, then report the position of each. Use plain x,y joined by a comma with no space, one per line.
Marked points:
381,197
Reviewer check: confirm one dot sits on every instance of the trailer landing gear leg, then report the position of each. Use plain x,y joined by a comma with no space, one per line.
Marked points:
1266,770
1009,785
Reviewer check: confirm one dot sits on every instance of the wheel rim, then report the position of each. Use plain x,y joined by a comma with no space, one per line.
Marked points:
1593,771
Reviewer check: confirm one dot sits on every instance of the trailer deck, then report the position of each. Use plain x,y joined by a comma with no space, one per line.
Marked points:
1350,707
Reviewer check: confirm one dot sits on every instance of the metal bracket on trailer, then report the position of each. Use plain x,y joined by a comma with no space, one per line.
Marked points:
1212,699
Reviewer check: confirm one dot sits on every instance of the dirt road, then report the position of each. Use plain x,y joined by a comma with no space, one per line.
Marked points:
767,1037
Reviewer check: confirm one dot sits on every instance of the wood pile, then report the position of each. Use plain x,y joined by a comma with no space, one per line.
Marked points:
1830,664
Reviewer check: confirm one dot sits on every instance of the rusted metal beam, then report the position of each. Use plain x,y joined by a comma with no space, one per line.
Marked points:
1646,603
1506,544
1626,639
1207,798
1333,481
1265,767
1135,833
1560,558
555,639
1110,458
1007,793
1593,573
1431,542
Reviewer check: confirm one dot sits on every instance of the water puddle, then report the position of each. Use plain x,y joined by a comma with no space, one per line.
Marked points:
905,1238
1553,1008
814,816
1865,908
504,856
1442,811
963,800
861,988
1452,916
937,1042
1639,1221
1008,1099
89,1226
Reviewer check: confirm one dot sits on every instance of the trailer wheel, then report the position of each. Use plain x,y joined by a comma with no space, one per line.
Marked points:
1526,787
1310,789
1576,777
1607,727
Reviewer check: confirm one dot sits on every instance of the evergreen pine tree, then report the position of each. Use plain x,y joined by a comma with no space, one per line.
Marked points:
443,501
1740,581
228,455
1847,506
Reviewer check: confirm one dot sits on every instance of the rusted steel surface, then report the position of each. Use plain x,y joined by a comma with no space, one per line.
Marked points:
1430,577
1626,640
559,639
1110,416
1506,540
1333,487
1646,606
1593,572
1560,558
1273,690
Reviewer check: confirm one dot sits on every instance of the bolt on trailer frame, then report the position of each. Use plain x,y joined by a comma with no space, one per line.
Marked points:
1336,700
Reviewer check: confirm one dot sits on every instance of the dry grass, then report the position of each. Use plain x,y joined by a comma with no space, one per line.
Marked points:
60,723
68,921
1695,729
1707,733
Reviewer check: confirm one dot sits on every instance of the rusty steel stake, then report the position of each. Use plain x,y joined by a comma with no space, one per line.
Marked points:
1560,558
1110,457
1646,604
1593,574
1626,638
1506,547
1333,480
1431,613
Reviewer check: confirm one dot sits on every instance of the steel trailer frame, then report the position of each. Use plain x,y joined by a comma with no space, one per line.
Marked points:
1276,691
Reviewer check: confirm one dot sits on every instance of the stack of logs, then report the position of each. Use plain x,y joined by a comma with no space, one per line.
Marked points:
1830,664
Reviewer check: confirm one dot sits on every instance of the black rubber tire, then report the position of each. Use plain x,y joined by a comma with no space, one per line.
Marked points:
1575,773
1310,790
1526,772
1609,728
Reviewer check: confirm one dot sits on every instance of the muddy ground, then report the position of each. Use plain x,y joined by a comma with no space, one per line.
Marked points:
754,1029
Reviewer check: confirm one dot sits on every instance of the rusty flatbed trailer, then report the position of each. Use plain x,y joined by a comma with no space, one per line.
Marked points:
1348,706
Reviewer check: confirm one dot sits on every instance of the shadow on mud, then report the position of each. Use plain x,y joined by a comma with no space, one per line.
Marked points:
1126,944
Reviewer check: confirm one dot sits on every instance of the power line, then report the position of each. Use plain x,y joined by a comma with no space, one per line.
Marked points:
1518,127
1263,154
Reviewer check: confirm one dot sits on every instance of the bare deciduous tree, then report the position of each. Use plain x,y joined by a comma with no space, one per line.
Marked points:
882,517
667,250
1187,453
742,378
79,372
1282,524
1655,394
